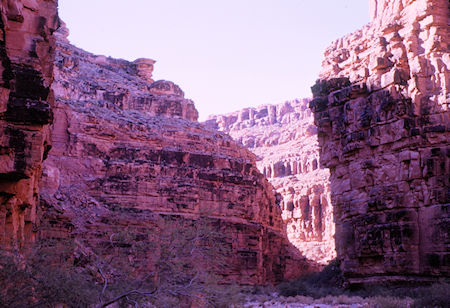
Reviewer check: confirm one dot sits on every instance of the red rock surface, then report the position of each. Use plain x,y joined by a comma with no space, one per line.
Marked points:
126,150
25,111
384,133
284,138
406,44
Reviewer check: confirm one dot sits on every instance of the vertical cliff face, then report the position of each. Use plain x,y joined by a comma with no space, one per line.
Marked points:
284,139
26,101
383,122
128,151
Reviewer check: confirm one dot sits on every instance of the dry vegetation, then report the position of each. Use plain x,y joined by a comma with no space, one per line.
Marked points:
187,253
326,287
55,273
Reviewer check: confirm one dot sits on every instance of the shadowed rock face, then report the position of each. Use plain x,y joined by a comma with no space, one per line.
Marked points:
126,151
384,133
284,138
25,111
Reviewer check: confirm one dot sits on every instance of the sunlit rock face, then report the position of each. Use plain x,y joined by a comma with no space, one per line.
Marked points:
25,111
126,150
116,83
406,44
284,138
144,68
381,108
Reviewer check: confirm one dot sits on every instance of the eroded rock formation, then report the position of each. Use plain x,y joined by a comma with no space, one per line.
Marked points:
383,121
26,100
284,138
126,149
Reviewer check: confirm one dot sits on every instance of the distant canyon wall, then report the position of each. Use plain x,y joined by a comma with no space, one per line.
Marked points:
382,112
284,138
26,100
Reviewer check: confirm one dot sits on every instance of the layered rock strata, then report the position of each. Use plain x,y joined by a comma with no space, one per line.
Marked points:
127,150
284,138
116,83
383,122
26,100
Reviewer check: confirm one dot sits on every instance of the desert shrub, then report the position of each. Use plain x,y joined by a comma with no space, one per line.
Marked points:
55,286
304,300
15,283
331,275
327,286
340,299
186,255
389,302
37,282
327,282
293,288
435,296
55,279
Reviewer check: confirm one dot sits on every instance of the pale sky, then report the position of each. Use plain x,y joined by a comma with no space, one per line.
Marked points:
226,55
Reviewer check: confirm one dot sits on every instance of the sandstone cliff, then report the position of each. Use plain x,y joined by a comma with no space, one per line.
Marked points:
284,139
26,100
383,122
127,150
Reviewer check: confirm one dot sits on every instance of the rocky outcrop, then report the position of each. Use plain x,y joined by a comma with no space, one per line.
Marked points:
127,151
383,123
284,139
406,44
25,111
116,83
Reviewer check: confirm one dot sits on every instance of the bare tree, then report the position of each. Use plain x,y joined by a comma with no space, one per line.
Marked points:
187,255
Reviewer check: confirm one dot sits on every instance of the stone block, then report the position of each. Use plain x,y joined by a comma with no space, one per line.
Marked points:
380,63
394,77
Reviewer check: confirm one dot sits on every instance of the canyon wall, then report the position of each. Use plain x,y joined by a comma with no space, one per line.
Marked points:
26,100
128,151
381,108
284,138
